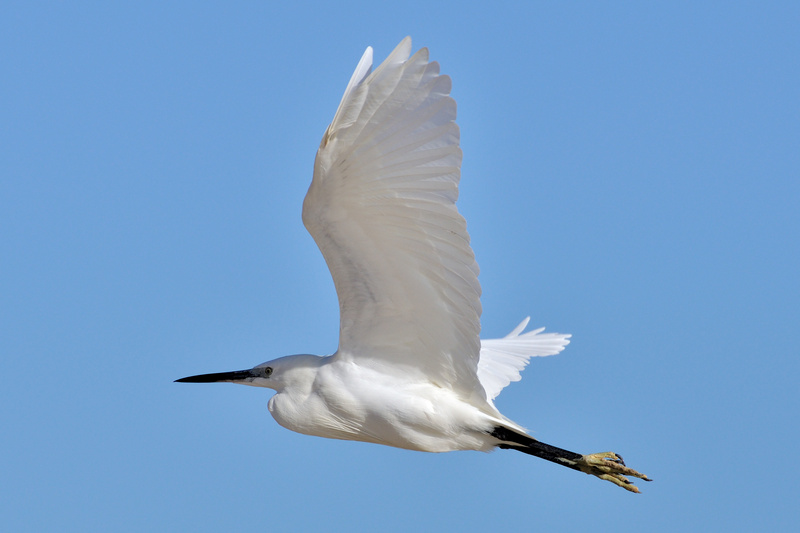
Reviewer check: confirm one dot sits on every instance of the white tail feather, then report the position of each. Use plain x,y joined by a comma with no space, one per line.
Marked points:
502,359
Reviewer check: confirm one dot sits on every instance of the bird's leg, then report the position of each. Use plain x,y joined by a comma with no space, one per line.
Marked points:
607,465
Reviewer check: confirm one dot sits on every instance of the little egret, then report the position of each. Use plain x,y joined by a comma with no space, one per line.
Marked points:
411,370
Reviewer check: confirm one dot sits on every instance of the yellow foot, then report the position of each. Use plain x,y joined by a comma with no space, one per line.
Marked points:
611,467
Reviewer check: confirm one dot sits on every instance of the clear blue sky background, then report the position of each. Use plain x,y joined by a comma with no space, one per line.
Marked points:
631,176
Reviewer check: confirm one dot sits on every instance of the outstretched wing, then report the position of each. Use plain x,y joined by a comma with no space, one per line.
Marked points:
503,359
381,208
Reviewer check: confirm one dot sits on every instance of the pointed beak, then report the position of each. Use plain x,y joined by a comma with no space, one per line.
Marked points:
238,376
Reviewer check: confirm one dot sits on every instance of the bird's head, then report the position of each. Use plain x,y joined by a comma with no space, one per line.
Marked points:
275,374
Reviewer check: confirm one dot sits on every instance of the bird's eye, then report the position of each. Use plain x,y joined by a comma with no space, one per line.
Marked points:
267,371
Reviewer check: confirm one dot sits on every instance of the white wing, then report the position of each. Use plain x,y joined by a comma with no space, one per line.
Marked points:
381,208
502,359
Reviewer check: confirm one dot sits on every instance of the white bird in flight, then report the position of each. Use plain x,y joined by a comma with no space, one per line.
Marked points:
411,370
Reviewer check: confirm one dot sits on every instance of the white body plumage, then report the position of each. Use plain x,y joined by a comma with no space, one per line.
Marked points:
332,398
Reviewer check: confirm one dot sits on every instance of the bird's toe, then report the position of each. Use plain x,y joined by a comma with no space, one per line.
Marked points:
610,467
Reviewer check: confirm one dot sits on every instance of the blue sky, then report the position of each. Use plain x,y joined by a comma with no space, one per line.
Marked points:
631,176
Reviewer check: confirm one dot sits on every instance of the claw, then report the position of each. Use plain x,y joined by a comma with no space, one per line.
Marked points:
610,467
618,459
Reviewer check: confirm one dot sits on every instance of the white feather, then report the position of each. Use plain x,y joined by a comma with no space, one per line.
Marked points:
502,359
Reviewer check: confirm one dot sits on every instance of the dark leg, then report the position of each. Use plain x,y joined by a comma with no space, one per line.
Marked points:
511,440
608,465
